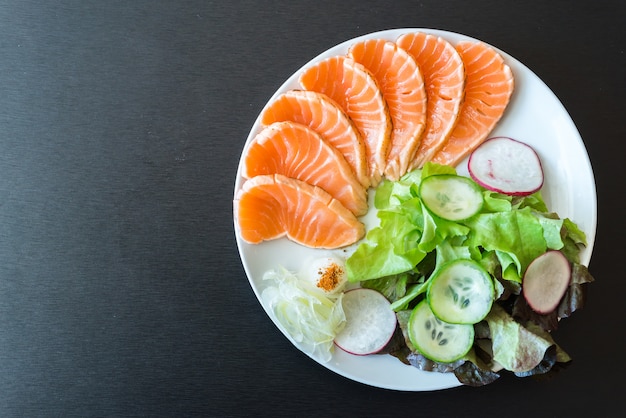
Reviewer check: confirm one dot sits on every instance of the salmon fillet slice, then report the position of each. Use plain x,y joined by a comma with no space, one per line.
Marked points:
444,78
355,89
322,114
271,206
402,86
297,151
488,88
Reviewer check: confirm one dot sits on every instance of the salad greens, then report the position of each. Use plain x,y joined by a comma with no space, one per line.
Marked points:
399,256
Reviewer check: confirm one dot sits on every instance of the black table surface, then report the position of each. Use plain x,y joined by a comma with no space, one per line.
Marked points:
122,292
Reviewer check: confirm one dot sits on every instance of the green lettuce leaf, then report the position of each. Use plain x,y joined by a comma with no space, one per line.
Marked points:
534,201
392,287
517,233
375,260
514,347
390,193
431,169
496,202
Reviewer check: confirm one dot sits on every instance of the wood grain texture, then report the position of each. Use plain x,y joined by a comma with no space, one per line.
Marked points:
121,126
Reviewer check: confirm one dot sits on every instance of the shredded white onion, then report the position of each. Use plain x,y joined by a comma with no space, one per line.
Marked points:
310,316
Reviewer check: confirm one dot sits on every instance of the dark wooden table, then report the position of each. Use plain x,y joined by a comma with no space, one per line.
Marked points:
121,126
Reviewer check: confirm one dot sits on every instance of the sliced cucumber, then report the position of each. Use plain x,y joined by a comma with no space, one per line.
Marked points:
451,196
461,292
436,339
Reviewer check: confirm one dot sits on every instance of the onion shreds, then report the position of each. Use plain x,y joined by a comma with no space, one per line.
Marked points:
311,317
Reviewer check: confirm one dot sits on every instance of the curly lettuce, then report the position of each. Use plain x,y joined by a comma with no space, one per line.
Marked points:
514,229
409,244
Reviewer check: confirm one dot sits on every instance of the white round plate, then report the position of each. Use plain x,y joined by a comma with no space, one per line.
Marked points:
534,116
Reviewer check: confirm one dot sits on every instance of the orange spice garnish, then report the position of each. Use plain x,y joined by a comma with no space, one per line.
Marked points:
329,277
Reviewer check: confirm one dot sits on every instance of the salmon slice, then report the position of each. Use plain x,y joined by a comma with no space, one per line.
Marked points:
271,206
355,89
402,85
297,151
444,77
322,114
488,88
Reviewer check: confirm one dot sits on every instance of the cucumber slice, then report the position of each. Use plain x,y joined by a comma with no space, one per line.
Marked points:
451,196
436,339
461,292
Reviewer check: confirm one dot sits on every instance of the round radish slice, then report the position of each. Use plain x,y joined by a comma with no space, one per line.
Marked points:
370,322
545,281
507,166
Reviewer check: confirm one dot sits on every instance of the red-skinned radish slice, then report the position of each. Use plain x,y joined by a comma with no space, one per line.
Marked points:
545,281
370,322
507,166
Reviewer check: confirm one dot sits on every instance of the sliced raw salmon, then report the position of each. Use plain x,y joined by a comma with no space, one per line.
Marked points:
402,85
355,89
488,88
272,206
444,77
324,115
297,151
